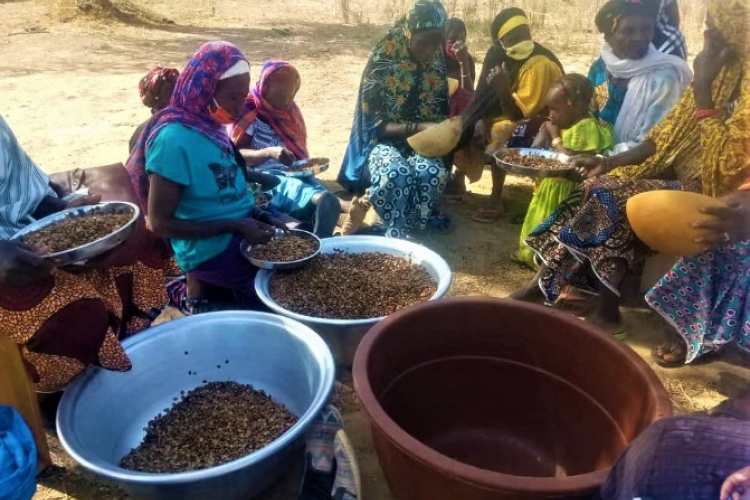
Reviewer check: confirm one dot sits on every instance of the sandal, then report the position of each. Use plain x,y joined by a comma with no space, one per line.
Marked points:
673,348
440,223
189,307
487,215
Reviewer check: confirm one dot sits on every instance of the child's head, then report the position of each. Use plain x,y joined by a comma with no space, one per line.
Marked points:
569,99
455,30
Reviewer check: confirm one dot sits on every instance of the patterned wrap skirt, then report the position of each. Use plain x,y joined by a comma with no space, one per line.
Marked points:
590,231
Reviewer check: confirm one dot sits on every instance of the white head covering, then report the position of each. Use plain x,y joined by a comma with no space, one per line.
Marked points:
240,68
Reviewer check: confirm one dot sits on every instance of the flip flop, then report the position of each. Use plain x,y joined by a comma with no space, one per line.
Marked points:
659,360
347,484
488,215
440,223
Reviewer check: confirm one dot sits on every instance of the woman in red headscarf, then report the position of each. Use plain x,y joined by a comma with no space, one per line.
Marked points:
271,134
156,91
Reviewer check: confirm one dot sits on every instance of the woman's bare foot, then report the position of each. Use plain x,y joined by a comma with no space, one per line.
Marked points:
670,355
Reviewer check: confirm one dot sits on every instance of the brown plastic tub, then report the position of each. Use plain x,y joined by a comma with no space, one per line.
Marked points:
480,398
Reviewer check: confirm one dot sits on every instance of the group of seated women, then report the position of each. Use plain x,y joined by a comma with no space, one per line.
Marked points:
215,143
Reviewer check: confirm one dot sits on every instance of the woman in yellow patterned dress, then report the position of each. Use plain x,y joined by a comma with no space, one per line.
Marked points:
702,145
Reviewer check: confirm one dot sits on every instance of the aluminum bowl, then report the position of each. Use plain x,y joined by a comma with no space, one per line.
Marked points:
81,254
103,413
247,251
344,335
568,173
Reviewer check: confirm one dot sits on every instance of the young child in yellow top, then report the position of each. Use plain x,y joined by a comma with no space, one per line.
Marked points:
571,131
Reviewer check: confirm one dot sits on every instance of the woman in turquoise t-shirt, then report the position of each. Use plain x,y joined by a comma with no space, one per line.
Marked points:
191,178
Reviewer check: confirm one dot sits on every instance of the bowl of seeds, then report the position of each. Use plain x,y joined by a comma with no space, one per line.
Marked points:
287,250
531,162
353,283
76,235
215,406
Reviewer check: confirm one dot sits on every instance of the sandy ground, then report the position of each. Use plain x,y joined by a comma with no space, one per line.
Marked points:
70,94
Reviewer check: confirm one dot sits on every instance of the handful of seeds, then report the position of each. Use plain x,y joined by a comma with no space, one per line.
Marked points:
352,286
214,424
288,248
76,231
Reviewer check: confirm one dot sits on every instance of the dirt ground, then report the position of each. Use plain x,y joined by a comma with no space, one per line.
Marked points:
70,94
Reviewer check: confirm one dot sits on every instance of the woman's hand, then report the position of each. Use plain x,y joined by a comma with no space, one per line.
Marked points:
277,223
731,223
707,65
589,167
499,80
737,486
462,52
21,266
254,231
281,155
91,199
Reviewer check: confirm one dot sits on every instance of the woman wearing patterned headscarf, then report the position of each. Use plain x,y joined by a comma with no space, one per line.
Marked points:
701,145
705,297
190,176
404,90
271,134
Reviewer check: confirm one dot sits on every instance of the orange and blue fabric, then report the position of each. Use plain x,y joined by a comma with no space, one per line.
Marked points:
189,106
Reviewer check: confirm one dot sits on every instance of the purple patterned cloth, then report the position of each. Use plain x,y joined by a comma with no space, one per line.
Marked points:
680,458
705,298
189,106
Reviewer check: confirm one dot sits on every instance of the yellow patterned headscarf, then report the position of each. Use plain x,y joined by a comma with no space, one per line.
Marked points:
720,153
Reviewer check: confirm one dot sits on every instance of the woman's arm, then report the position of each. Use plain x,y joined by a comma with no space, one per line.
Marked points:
594,166
255,157
401,131
162,203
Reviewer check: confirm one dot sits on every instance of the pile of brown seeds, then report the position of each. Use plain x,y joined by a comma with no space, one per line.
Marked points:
352,286
76,231
286,249
534,161
212,425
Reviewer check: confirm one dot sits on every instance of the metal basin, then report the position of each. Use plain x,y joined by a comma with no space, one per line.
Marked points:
81,254
492,399
103,413
344,335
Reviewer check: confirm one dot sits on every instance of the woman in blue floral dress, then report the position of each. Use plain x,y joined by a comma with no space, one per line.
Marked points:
404,90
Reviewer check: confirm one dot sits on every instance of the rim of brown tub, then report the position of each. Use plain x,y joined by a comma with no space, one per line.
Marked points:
468,473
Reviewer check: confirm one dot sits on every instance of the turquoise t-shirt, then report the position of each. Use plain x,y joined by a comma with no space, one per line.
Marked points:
214,187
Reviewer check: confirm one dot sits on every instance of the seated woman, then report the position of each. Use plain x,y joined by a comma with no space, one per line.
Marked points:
572,130
197,194
705,297
700,146
635,87
462,72
404,90
271,134
65,320
156,91
521,72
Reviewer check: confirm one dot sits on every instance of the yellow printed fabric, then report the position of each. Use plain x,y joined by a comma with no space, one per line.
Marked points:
588,136
536,77
714,150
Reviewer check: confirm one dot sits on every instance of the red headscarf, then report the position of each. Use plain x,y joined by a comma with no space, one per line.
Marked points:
287,123
151,86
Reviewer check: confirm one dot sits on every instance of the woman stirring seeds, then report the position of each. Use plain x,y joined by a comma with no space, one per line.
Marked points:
198,196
